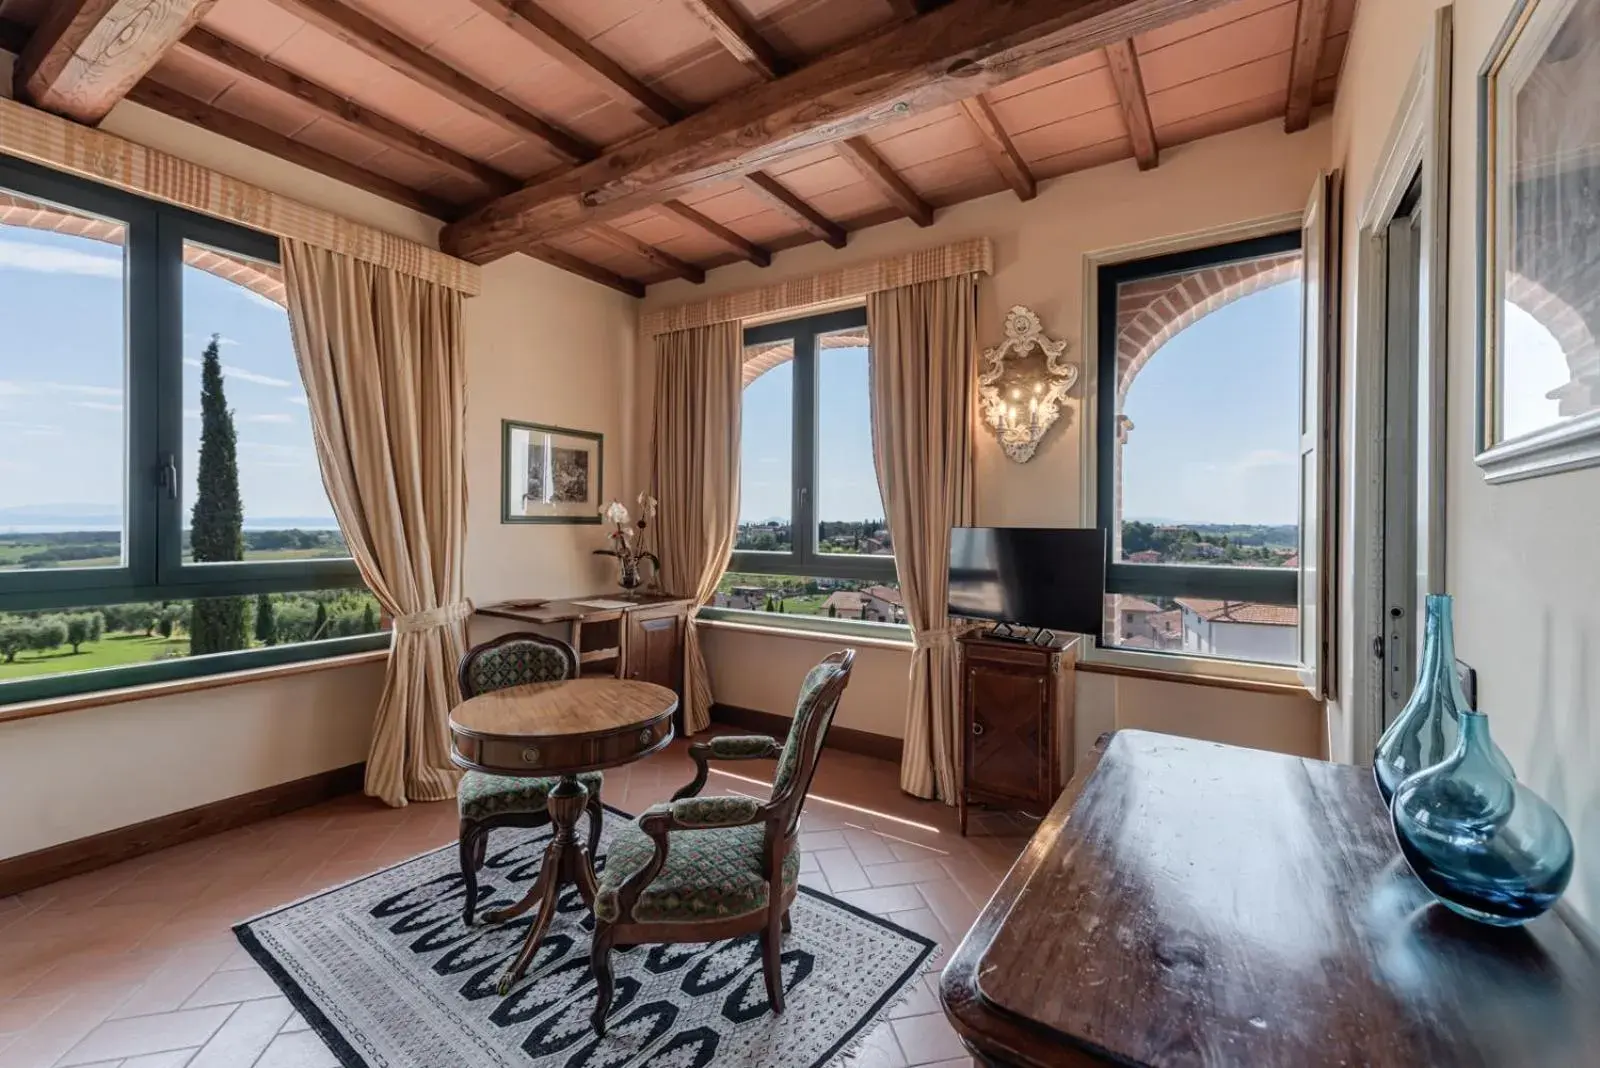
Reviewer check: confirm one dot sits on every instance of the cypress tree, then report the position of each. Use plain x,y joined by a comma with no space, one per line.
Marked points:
216,528
319,628
369,619
266,621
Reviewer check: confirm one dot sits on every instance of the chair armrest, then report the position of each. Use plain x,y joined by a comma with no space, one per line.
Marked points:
726,747
698,813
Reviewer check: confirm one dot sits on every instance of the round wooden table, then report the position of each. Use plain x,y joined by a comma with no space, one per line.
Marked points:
559,729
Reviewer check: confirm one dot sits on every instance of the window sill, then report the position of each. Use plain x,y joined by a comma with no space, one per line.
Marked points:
102,698
1195,671
816,630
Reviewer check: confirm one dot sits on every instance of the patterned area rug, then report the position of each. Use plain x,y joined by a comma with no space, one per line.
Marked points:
387,974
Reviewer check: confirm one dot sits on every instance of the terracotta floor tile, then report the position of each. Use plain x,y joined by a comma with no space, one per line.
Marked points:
927,1039
902,872
882,900
844,872
879,1049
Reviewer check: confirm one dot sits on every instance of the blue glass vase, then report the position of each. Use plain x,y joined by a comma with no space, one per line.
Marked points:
1425,731
1482,843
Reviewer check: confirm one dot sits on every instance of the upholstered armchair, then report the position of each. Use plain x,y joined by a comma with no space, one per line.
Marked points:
701,869
490,801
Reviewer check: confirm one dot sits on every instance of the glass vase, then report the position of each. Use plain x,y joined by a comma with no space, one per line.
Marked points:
629,579
1482,843
1425,731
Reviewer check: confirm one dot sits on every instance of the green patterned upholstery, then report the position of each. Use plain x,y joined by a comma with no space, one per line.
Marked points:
806,708
709,874
516,663
715,811
480,796
734,746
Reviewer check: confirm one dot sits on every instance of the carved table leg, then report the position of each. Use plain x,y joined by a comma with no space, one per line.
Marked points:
565,860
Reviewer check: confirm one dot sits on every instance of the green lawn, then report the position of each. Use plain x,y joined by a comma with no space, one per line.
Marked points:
809,605
110,651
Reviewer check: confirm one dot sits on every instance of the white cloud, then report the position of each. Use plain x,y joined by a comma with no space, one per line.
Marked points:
32,430
97,406
301,401
241,375
15,388
24,256
267,449
268,417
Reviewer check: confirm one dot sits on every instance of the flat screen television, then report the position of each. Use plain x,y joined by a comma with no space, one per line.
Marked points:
1054,578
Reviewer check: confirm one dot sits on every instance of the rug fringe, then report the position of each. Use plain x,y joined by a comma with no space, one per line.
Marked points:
854,1046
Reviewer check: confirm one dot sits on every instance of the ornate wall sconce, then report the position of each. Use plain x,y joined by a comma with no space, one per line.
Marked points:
1022,399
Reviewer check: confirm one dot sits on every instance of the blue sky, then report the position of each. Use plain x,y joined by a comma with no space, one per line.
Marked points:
62,370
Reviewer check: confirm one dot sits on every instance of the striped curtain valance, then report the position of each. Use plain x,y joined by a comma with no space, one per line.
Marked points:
974,256
53,142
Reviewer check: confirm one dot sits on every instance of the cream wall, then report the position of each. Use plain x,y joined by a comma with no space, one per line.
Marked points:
1521,557
1039,260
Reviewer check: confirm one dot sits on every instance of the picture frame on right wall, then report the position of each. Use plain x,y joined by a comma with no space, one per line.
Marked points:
1539,243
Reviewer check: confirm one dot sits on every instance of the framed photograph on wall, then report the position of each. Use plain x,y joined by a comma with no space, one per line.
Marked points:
1539,284
550,474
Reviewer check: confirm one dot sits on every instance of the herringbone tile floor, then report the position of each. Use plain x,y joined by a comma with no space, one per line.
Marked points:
135,966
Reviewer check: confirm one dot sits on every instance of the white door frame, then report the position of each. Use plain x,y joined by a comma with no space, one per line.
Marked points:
1419,141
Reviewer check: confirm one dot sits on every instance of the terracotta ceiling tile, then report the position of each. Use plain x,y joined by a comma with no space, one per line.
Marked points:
1071,68
821,177
257,26
421,21
703,76
968,185
699,247
1234,45
700,195
796,161
455,188
1220,90
487,52
193,75
1081,95
1070,134
465,131
417,173
1222,16
336,140
812,27
1234,116
552,89
650,227
265,107
768,227
965,168
849,202
893,130
609,256
330,62
590,18
525,160
1082,159
925,143
655,39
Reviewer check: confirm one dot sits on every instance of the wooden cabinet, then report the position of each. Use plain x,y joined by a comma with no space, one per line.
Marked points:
652,647
1016,724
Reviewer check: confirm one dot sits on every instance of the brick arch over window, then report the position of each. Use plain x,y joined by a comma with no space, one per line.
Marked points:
766,357
262,279
1154,310
1571,332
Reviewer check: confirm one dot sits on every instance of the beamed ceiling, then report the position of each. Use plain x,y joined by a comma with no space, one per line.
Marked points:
635,141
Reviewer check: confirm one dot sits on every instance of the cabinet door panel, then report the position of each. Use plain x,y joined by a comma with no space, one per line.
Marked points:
655,648
1005,743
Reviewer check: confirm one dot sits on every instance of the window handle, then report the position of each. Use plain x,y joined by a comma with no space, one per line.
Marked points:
167,476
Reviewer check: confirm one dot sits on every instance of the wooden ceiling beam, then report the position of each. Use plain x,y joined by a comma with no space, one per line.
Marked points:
665,260
813,221
1125,75
552,37
740,38
948,55
395,52
1310,36
745,248
171,102
87,54
882,177
998,147
556,257
341,109
13,36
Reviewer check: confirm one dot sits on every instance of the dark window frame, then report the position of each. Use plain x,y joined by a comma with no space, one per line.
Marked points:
803,559
152,370
1278,586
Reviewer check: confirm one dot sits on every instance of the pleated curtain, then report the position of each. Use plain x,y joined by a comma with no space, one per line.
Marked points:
923,346
384,364
699,391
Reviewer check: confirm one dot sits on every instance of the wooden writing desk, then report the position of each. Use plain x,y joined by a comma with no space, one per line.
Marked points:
1188,903
641,641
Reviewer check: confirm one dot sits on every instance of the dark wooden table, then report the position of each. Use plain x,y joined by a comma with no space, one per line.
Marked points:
559,729
1188,903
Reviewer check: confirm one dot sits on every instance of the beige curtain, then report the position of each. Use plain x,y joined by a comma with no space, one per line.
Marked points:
385,373
923,362
698,394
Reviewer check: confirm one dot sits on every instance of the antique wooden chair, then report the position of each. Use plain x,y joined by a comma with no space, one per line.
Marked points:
701,869
490,801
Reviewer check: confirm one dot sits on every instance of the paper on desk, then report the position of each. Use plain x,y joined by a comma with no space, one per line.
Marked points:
601,602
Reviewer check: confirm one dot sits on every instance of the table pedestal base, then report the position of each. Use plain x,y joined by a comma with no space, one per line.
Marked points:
566,860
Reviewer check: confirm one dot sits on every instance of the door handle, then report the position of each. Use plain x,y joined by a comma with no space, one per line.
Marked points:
167,475
977,729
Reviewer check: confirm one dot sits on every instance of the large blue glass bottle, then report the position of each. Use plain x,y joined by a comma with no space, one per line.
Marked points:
1425,731
1481,842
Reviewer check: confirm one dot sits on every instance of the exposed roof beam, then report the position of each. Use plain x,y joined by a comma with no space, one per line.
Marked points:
13,36
665,260
815,223
1310,35
342,109
882,177
1124,64
399,54
556,257
740,38
953,53
87,54
1001,152
746,248
548,34
180,106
